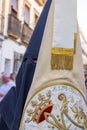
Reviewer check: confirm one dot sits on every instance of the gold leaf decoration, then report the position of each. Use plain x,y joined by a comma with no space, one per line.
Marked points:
49,94
41,97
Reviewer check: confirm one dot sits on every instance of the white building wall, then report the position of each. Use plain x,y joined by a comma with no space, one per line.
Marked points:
20,10
34,6
7,5
0,6
10,46
32,23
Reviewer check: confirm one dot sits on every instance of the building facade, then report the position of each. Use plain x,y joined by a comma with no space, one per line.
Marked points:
18,19
84,49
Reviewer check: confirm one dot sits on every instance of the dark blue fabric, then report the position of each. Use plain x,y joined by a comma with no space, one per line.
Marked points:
3,125
28,66
25,83
7,109
14,102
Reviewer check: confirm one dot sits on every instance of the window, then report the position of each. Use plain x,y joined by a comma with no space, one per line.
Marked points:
15,4
36,18
7,66
14,7
27,14
17,61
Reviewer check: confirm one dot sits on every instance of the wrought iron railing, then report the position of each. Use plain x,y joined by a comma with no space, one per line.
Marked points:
14,26
26,33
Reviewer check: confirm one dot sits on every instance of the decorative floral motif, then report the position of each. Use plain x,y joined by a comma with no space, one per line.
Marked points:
41,97
80,116
49,94
42,110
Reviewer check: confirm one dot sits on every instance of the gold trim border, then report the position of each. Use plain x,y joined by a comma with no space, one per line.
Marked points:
65,51
75,41
45,85
62,51
75,36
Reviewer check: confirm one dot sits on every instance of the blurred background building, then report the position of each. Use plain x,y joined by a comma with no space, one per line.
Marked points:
84,49
18,19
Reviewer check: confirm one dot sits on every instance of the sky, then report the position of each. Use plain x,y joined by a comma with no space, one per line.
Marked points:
82,15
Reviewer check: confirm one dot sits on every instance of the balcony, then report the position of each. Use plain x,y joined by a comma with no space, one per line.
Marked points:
26,33
14,26
40,2
1,25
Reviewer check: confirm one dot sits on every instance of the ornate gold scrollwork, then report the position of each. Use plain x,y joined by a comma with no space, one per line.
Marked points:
42,111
